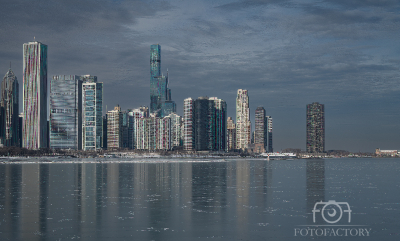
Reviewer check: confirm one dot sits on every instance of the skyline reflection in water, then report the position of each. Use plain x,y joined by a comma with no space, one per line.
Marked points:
232,200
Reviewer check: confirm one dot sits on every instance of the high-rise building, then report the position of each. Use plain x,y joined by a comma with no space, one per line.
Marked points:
114,128
188,124
104,144
153,133
34,126
20,122
9,103
92,113
219,125
205,124
160,95
204,116
176,123
133,116
243,124
315,128
263,131
269,146
231,134
66,112
156,83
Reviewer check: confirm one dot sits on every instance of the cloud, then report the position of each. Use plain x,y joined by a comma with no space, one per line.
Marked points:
252,3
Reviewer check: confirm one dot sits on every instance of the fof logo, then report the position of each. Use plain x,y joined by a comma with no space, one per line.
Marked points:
332,211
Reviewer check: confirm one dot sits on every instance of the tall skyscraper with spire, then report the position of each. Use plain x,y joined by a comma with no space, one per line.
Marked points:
10,106
243,124
34,125
160,95
315,128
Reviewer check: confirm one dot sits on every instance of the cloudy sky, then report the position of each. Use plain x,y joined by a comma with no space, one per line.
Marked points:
287,54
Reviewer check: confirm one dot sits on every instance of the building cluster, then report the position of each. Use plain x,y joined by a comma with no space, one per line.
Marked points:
76,120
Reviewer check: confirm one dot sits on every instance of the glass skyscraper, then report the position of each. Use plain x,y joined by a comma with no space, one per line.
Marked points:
160,95
10,105
156,83
92,112
34,125
66,112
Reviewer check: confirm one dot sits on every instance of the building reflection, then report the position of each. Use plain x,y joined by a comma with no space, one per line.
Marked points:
315,187
10,190
98,200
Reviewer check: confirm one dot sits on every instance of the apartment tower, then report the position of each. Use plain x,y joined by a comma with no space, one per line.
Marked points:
315,128
243,124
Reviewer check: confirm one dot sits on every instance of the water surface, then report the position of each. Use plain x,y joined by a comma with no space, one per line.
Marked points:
153,199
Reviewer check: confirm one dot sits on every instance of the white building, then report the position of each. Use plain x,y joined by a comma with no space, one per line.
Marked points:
243,124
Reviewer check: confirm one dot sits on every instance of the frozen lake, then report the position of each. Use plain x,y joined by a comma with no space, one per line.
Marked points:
172,199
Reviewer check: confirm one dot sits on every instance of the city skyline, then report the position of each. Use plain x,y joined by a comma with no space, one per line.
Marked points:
287,54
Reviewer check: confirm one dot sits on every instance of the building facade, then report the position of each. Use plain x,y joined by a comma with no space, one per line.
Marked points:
269,146
133,116
176,124
219,124
205,124
243,124
315,128
188,124
34,125
153,133
10,108
231,134
92,112
114,128
66,112
263,131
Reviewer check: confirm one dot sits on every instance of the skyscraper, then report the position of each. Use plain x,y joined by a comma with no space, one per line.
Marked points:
9,103
114,128
188,124
66,112
231,134
263,131
219,124
260,126
176,123
204,117
133,116
315,128
156,83
34,126
269,146
92,113
205,124
243,124
160,95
